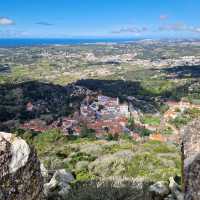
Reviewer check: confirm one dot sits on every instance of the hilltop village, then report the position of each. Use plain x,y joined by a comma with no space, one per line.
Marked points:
103,116
101,113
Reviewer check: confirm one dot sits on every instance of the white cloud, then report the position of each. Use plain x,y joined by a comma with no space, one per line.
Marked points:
6,21
174,27
197,29
179,27
135,30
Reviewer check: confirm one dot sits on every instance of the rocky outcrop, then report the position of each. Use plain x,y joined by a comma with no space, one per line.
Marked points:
191,138
191,156
159,189
59,185
20,175
166,190
175,189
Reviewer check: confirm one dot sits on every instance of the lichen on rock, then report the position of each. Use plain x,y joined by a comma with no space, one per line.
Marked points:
20,175
191,155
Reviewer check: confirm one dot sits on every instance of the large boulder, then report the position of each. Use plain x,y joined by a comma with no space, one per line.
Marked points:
20,175
191,155
175,189
192,177
190,138
59,185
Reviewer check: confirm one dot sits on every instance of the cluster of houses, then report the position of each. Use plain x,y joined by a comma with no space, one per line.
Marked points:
105,115
100,113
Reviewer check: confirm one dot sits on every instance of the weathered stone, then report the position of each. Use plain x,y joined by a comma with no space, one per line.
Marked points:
159,189
44,171
192,177
191,137
58,187
191,155
20,175
175,189
170,197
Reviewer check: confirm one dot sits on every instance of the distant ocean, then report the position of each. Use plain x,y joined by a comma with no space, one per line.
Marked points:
46,42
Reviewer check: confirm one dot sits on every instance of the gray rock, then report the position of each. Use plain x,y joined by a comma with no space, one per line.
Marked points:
62,176
20,175
175,189
44,171
159,189
58,187
191,154
170,197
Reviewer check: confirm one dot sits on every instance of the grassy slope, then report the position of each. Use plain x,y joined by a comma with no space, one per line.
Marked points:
151,160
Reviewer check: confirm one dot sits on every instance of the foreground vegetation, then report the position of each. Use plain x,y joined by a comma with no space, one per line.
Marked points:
90,158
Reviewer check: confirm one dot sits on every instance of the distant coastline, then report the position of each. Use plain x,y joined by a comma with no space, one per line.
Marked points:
23,42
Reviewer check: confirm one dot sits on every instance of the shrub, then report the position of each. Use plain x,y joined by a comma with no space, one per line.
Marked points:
83,176
126,136
180,121
186,117
151,167
87,132
167,131
49,142
109,190
111,136
131,123
50,136
26,135
80,157
142,131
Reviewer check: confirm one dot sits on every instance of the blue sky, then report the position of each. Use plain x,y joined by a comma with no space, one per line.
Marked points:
99,18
